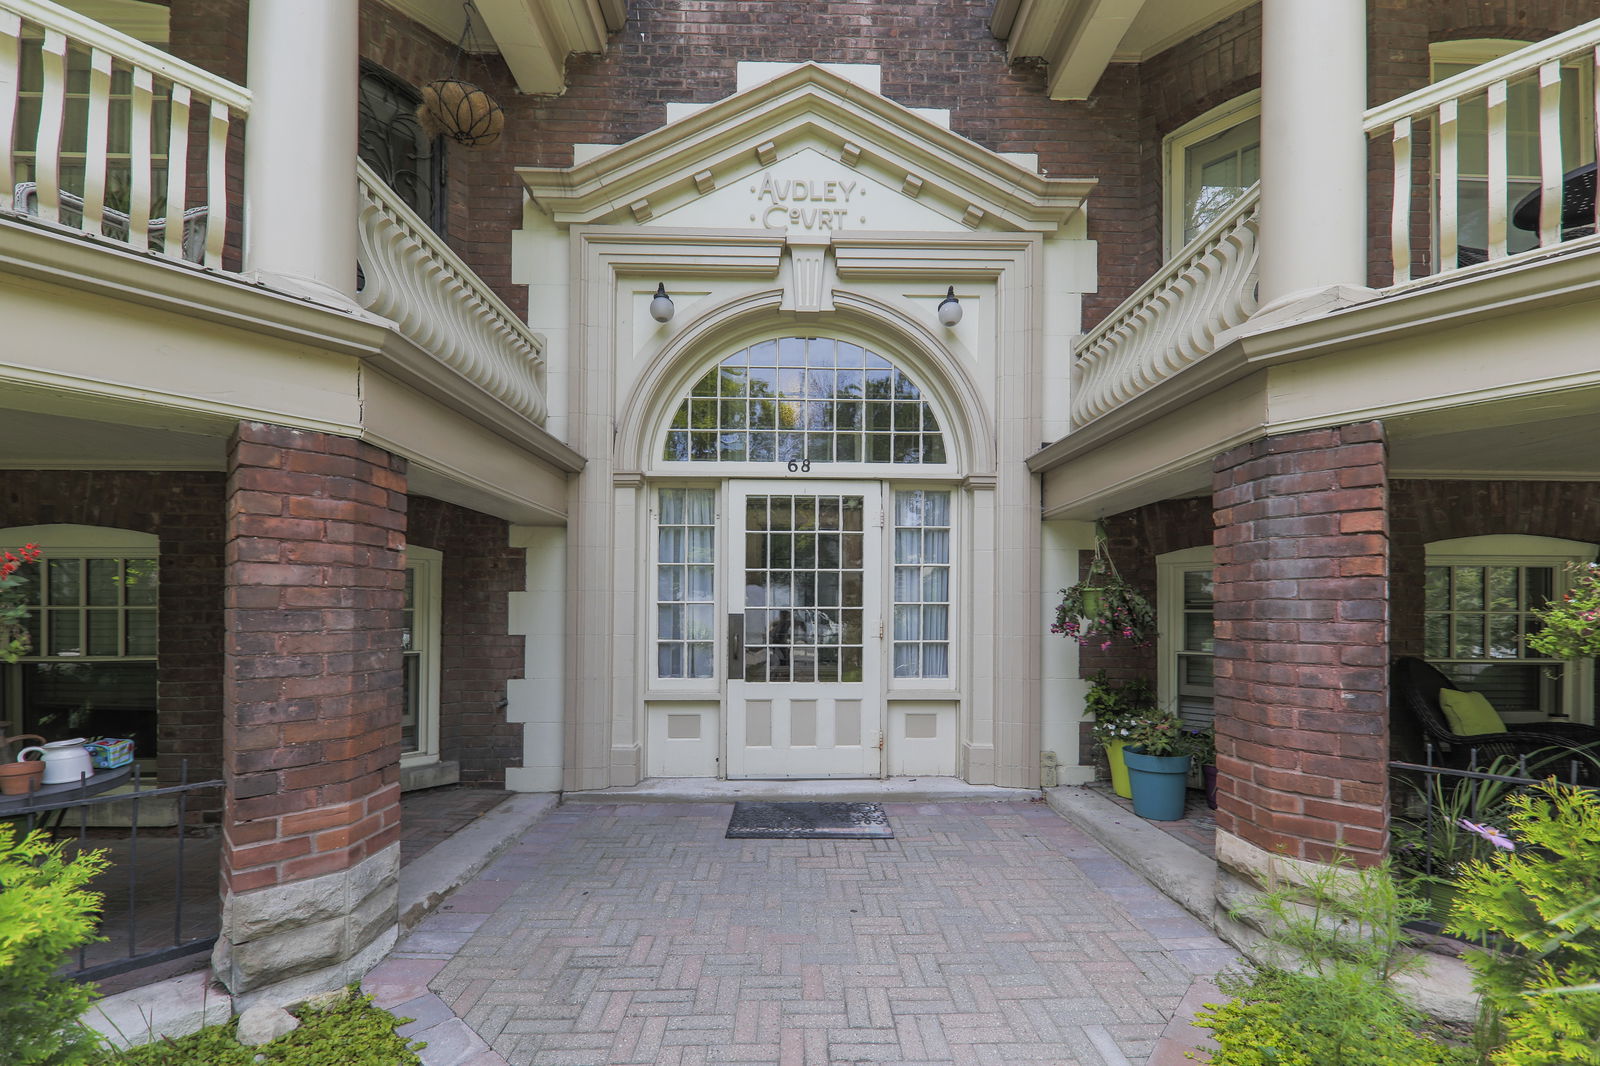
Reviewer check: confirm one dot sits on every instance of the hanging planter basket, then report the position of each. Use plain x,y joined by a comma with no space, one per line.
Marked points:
461,111
1103,608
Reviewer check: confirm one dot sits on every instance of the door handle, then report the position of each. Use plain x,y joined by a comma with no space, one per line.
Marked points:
735,647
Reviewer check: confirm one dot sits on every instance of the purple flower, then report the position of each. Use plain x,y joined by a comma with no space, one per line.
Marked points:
1491,834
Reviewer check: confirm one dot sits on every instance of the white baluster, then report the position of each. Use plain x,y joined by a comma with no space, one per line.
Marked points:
216,185
177,170
52,113
1497,169
96,139
139,161
1400,216
1449,186
1550,154
10,44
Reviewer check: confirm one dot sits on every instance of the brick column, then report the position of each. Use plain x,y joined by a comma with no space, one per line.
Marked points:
1302,653
311,722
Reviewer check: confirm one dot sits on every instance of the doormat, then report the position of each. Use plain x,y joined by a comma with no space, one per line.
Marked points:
806,821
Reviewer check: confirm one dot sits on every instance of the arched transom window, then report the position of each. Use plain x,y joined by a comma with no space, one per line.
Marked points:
805,399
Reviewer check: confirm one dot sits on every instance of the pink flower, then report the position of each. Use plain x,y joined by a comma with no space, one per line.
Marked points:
1491,834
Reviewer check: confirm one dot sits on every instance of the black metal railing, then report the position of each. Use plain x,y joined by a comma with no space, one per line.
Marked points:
1431,805
160,889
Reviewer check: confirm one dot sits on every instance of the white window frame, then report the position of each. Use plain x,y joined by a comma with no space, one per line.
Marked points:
899,686
69,541
1174,152
427,568
686,687
1170,569
1515,549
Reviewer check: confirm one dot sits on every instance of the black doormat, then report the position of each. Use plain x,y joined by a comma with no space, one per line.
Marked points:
802,821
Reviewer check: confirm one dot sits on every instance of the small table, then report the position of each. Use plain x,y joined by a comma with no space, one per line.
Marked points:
61,798
1577,203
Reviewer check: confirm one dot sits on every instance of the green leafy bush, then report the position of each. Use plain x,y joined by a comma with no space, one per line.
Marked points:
46,910
1569,628
349,1032
1541,993
1323,997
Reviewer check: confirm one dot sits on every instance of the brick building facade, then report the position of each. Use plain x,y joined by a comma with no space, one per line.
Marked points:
484,510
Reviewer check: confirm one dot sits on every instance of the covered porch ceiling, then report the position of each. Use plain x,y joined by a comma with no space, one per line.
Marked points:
1080,38
534,37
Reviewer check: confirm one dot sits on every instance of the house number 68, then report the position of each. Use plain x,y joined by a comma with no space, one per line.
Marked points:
801,467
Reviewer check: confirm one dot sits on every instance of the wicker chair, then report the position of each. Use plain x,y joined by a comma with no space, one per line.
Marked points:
1549,746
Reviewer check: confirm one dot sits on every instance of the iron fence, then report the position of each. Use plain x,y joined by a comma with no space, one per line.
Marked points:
1433,805
160,890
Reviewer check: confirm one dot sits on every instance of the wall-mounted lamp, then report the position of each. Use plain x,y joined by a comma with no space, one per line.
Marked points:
661,305
950,309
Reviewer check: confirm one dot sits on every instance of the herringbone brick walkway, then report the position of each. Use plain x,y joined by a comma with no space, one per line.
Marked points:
984,933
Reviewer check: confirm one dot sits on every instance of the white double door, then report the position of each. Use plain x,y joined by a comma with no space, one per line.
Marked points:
805,593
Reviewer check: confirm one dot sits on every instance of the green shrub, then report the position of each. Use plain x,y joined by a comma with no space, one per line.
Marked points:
1541,996
45,911
1323,997
349,1032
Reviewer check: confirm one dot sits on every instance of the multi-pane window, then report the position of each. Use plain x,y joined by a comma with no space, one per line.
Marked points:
805,400
91,667
686,545
922,584
1210,163
92,608
1185,645
1195,650
1476,623
804,588
419,654
393,143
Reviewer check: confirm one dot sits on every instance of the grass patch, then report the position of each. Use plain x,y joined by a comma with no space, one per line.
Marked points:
343,1033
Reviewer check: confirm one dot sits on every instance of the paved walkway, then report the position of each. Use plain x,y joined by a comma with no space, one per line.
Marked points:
986,933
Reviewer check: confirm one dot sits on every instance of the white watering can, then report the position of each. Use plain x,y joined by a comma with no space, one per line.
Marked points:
65,761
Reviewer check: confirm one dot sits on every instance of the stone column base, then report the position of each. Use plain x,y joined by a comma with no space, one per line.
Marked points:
287,942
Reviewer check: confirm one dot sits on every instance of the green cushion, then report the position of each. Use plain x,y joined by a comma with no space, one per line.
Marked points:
1470,713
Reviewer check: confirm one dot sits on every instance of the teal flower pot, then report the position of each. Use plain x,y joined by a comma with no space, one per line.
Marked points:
1158,784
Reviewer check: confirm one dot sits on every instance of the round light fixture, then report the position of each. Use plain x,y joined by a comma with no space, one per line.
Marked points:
950,309
661,305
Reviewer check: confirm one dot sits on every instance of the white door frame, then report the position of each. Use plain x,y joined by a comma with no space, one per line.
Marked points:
817,711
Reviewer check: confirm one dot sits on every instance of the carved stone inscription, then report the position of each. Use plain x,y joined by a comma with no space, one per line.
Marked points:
806,203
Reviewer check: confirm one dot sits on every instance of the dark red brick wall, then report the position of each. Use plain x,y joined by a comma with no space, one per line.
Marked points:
185,510
312,697
1302,641
934,53
478,656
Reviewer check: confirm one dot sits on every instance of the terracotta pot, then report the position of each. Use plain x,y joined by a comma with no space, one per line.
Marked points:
20,778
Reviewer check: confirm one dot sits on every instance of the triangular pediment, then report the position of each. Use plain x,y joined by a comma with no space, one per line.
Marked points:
808,151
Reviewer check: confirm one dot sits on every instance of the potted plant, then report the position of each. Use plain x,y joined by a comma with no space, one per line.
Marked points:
1158,765
1202,745
1112,705
1570,627
1103,608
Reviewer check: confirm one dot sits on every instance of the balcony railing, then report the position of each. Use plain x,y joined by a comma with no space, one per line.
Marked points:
1496,161
1173,319
111,137
409,275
